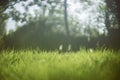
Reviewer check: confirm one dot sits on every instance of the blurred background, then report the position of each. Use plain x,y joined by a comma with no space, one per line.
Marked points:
51,24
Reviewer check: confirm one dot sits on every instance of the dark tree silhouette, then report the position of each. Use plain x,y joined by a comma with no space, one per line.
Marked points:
113,8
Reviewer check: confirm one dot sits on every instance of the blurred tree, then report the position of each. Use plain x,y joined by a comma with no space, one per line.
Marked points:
4,5
113,23
37,33
66,18
3,17
114,7
8,4
46,28
2,31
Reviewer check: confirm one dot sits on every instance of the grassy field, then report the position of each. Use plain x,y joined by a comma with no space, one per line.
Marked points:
41,65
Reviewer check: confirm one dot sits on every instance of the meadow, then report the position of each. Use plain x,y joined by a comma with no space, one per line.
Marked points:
52,65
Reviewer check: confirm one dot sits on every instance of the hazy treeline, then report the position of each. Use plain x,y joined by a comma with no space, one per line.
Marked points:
44,37
48,30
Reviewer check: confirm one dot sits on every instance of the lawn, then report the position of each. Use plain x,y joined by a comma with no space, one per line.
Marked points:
42,65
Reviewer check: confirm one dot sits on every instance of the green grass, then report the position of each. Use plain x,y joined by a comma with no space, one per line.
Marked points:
41,65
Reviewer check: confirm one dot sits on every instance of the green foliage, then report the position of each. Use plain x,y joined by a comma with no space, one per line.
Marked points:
42,65
48,33
38,32
46,7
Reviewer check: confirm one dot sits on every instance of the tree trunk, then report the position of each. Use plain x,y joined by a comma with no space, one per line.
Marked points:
66,18
107,20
